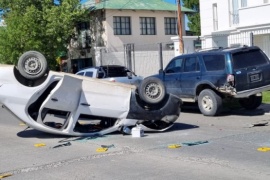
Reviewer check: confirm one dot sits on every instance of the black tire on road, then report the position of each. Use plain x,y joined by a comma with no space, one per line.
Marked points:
32,65
210,103
152,90
251,103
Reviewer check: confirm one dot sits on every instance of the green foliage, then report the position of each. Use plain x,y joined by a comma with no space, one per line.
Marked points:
39,25
194,19
266,97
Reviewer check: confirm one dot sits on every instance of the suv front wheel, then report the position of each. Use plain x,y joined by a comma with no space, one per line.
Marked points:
209,103
251,103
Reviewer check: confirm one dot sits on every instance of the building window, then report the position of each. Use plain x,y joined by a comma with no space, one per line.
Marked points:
215,17
170,26
265,1
121,25
235,13
243,3
148,25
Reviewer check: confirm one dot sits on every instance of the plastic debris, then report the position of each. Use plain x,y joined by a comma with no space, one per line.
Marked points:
126,130
194,143
101,149
40,145
259,124
108,146
5,175
264,149
174,146
62,145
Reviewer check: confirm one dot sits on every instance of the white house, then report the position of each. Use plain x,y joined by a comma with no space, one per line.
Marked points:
115,23
227,23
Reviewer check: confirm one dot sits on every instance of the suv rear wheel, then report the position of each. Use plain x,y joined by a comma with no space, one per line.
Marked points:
209,102
251,103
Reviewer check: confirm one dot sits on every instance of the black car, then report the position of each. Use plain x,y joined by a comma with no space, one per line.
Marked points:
208,77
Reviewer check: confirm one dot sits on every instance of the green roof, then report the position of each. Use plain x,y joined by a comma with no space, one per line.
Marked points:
153,5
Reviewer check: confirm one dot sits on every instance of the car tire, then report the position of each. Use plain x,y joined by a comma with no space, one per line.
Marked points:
210,103
32,65
251,103
152,90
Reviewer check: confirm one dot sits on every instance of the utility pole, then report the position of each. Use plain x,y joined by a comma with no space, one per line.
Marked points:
180,31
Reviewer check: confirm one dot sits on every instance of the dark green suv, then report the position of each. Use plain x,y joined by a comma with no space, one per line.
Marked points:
208,77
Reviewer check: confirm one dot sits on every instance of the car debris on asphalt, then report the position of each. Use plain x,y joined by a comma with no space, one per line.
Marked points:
62,145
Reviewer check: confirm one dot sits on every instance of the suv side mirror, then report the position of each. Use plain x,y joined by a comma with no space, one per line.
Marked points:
161,72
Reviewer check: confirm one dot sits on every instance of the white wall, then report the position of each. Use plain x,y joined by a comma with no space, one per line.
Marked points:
188,44
206,13
146,63
255,15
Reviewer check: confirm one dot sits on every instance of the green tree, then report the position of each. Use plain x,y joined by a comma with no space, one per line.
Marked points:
194,19
42,25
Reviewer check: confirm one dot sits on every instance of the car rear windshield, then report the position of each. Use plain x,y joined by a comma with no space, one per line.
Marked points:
115,71
214,62
245,59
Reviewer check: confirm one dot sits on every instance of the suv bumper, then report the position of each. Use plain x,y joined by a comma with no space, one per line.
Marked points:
247,93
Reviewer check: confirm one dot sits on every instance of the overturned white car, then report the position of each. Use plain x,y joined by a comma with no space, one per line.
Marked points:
67,104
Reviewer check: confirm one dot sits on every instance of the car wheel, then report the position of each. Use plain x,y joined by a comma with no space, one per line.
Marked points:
209,103
251,103
32,65
152,90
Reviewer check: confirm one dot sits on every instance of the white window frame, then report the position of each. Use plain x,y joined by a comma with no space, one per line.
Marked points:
215,17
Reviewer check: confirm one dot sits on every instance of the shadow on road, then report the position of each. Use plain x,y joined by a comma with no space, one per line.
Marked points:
30,133
227,111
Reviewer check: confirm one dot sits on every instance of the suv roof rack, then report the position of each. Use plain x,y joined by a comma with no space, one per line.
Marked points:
222,48
211,49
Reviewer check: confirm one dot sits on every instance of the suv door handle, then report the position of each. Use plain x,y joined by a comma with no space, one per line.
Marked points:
85,104
54,99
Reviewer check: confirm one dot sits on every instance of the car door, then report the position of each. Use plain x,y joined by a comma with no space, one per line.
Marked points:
64,98
190,77
102,98
172,75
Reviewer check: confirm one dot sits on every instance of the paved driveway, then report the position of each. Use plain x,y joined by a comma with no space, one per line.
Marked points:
226,149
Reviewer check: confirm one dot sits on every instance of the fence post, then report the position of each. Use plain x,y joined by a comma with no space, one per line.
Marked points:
128,53
160,56
101,57
251,39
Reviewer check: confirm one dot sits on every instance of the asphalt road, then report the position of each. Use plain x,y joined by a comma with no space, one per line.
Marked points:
226,149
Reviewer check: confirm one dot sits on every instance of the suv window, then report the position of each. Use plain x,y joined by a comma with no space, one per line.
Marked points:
214,62
174,66
250,58
115,71
88,74
191,64
80,73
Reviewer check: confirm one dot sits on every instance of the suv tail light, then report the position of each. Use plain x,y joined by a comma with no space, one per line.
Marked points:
230,79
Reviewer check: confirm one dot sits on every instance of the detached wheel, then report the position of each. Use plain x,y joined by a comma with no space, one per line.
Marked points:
152,90
32,65
251,103
209,103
